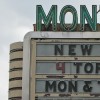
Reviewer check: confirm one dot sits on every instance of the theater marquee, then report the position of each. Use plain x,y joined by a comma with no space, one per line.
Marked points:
60,66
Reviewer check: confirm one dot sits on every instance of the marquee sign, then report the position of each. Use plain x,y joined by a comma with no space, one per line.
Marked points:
52,17
62,65
60,68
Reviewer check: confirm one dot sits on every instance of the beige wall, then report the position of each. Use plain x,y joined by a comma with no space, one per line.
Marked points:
15,71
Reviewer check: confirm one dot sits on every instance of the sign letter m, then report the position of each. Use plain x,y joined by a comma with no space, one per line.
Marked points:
41,17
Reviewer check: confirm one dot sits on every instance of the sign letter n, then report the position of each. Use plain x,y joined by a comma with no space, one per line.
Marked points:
84,14
41,16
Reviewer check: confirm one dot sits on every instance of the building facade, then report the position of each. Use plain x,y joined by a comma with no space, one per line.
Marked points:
47,48
51,62
15,71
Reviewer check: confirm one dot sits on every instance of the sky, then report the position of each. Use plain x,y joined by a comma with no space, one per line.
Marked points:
17,18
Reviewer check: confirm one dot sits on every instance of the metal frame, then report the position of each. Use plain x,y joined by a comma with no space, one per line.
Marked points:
45,35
